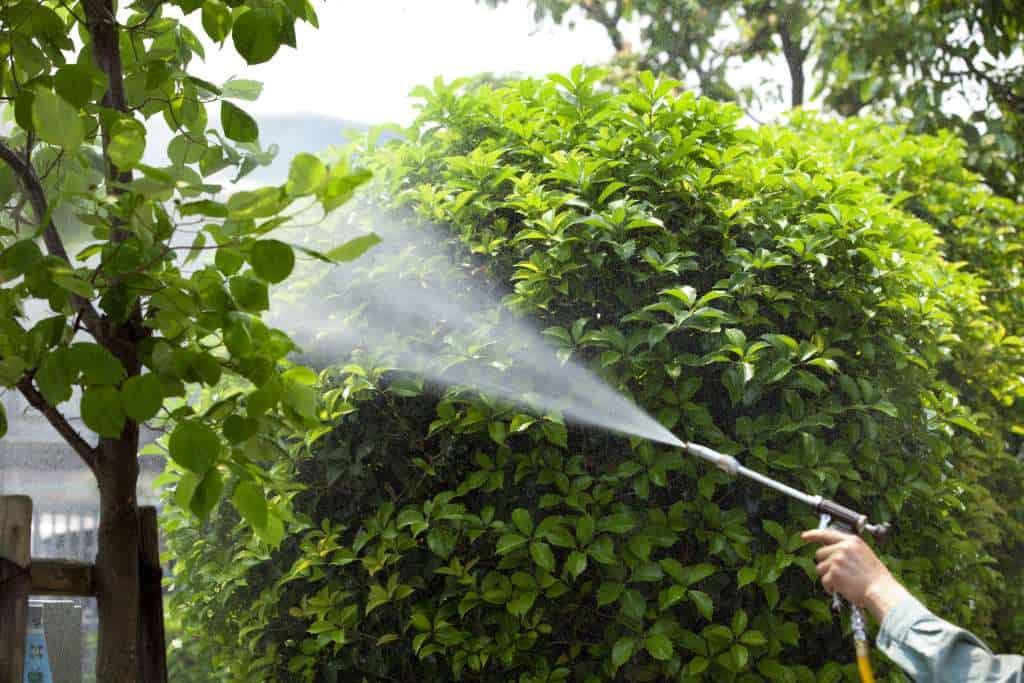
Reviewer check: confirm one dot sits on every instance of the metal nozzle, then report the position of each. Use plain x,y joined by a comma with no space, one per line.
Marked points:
726,463
844,516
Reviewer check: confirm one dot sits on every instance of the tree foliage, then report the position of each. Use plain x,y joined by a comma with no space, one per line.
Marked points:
935,64
138,317
792,295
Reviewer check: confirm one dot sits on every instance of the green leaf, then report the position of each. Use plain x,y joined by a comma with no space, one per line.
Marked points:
703,602
887,408
497,432
508,543
522,602
55,376
774,530
56,121
272,261
306,175
353,249
194,446
648,572
697,572
640,546
250,501
12,370
753,638
558,535
142,396
609,592
127,143
556,434
633,604
228,260
207,494
75,285
671,596
3,421
585,529
542,555
340,186
98,366
772,669
745,576
18,258
185,489
216,20
255,35
739,622
659,646
617,524
622,651
300,397
101,411
739,656
249,293
440,542
8,184
238,429
576,564
241,89
237,124
602,550
74,83
521,518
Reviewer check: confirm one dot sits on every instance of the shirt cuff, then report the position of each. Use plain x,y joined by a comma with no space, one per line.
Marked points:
900,619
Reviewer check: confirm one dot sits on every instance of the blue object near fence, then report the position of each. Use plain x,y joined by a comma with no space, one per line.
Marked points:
37,659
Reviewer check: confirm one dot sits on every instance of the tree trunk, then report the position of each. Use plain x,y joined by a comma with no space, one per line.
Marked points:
796,72
795,54
117,562
117,471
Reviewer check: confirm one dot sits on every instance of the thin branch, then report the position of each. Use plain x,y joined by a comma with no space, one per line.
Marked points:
70,11
86,452
54,244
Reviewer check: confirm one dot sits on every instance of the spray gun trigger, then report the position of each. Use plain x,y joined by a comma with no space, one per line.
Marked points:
837,603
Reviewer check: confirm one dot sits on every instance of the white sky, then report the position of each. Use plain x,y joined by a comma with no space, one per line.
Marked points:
368,54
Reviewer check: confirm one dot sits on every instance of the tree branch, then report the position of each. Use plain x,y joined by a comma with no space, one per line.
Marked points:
106,53
86,452
30,182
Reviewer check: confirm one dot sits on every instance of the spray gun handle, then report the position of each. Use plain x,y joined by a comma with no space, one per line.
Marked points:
850,521
824,522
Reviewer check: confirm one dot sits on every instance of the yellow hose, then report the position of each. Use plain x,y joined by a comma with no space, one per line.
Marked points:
864,662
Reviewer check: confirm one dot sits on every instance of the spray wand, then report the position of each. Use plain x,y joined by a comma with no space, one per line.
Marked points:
831,514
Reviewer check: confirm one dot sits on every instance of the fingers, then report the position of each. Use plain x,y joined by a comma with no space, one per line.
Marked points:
829,580
828,536
827,551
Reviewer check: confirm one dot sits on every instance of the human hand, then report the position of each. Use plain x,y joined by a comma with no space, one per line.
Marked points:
849,567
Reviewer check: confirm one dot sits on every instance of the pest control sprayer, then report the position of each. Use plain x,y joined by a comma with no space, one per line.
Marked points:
832,514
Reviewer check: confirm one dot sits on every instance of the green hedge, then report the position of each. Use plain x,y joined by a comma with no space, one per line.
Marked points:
782,294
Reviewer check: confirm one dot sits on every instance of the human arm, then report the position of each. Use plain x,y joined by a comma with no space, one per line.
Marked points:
924,646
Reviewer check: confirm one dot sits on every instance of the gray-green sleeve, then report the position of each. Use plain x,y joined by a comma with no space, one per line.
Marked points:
931,650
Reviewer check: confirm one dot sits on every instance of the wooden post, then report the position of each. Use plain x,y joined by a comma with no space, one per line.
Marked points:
152,646
15,584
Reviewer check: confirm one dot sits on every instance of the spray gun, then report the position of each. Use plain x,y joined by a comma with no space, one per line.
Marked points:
831,514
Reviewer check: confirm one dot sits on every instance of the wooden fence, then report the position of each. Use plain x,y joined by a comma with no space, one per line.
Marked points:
21,576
